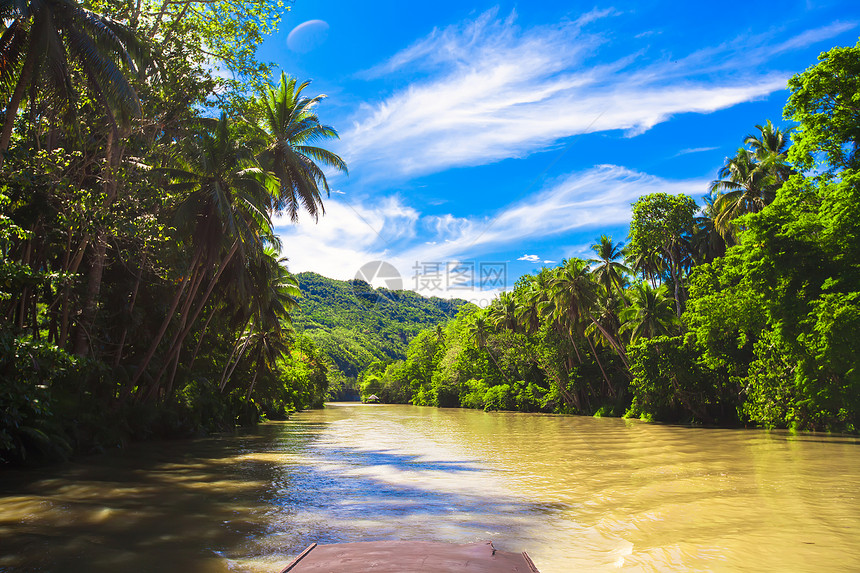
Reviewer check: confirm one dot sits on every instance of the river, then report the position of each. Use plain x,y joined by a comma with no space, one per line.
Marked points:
577,493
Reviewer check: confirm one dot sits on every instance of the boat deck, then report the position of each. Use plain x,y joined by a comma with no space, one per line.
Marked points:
409,557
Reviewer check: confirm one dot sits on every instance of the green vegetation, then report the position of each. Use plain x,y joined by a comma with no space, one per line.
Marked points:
142,291
744,313
355,325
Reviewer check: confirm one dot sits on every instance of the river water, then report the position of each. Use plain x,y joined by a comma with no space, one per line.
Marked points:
579,494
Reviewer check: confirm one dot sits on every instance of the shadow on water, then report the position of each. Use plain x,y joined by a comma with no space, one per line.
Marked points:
240,503
168,506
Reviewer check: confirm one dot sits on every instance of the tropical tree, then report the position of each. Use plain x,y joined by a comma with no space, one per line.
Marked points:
744,187
661,228
607,270
224,213
574,294
41,40
707,242
531,299
502,313
291,127
749,181
650,313
270,342
265,300
823,102
479,330
770,147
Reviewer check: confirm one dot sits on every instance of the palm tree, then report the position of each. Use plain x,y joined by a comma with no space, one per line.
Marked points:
650,314
224,213
771,150
749,181
649,264
503,312
707,242
479,330
574,294
271,293
608,272
743,188
291,127
270,342
531,301
40,41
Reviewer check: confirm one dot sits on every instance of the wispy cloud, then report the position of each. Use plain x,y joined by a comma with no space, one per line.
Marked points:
695,150
810,37
352,235
492,91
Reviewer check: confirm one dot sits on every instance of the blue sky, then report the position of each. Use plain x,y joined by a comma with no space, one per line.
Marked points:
483,133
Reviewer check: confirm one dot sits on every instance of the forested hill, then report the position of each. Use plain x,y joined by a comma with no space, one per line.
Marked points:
355,324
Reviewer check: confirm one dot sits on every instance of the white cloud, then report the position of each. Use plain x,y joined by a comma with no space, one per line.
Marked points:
599,197
346,237
493,91
810,37
349,236
695,150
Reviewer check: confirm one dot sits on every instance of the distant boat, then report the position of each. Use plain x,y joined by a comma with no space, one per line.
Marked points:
372,399
409,557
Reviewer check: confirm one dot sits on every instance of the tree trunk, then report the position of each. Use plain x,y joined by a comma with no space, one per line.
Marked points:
15,101
228,371
611,340
88,314
176,347
602,371
144,363
67,289
118,357
200,341
575,349
673,271
253,381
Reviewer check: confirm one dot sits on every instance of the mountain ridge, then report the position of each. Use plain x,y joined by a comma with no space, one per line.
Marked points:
355,324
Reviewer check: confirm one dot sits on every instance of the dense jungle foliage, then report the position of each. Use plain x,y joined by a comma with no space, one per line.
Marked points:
144,151
355,325
745,311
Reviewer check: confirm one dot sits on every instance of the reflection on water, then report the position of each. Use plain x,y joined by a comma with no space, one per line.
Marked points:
576,493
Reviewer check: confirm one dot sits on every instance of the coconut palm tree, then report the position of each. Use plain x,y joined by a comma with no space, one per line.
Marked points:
771,150
749,180
269,342
479,330
224,214
43,38
650,265
608,271
502,314
650,314
291,127
574,294
707,242
270,293
531,301
743,188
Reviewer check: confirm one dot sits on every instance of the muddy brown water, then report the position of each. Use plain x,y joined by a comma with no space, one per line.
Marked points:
579,494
